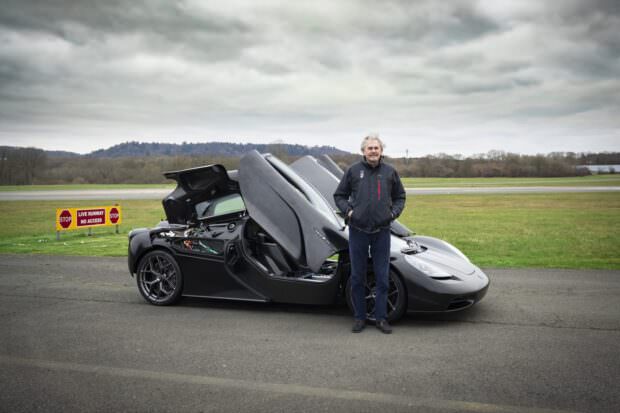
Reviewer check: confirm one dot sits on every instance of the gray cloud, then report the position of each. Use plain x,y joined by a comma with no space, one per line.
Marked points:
473,76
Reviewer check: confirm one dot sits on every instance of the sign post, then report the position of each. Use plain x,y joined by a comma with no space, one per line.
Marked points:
115,216
89,217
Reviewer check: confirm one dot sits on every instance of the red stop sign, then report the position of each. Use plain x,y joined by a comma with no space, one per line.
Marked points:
114,215
65,219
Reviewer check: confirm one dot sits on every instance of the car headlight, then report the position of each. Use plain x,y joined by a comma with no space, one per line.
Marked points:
457,251
431,270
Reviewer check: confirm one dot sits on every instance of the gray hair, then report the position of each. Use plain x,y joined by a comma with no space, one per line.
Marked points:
372,137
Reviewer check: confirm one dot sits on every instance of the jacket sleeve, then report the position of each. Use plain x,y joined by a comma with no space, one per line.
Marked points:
398,196
343,192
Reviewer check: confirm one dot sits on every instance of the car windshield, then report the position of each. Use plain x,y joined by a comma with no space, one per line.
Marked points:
220,206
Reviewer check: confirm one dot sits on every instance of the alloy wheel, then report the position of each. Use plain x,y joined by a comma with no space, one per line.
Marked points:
159,278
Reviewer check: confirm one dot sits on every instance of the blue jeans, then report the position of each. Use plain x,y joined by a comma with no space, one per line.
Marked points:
379,244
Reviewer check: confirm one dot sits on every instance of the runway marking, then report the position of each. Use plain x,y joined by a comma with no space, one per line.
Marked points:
161,193
507,189
279,388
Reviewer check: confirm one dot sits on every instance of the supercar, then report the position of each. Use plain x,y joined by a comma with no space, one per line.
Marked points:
270,232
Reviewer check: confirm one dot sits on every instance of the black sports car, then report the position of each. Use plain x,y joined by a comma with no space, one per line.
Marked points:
270,232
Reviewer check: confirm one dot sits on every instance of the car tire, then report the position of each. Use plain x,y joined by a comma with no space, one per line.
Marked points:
159,278
397,297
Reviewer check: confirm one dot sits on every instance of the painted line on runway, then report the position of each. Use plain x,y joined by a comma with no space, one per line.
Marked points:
278,388
508,190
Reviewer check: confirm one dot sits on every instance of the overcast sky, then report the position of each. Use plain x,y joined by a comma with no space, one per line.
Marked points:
429,76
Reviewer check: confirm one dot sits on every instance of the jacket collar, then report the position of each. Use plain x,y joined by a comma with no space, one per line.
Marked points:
369,166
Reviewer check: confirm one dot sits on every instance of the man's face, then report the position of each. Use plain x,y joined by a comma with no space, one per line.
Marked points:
373,152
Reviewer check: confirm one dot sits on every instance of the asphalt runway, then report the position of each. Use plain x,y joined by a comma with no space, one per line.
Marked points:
76,336
146,193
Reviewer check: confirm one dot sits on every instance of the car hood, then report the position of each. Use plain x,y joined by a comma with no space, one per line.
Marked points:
452,264
438,256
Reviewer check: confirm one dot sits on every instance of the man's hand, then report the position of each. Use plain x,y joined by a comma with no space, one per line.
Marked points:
349,214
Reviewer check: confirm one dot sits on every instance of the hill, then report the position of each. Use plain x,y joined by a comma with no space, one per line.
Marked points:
226,149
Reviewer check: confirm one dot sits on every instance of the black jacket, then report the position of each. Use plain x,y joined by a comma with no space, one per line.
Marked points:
376,196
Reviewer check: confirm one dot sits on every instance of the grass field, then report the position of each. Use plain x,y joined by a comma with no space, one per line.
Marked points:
592,180
577,230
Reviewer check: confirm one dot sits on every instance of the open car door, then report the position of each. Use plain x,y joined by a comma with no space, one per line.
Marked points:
323,180
290,210
328,163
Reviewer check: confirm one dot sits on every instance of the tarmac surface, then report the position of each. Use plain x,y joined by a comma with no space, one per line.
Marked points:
77,336
146,193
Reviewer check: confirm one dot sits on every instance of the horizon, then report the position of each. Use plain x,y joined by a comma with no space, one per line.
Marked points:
481,154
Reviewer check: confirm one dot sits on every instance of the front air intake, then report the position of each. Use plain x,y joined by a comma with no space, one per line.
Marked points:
460,303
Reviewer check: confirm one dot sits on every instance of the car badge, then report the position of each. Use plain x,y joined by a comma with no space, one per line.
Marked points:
362,174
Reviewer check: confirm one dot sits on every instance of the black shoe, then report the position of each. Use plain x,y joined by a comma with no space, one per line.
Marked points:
384,327
358,326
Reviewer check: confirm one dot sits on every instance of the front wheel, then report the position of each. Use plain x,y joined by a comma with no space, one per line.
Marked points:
396,297
159,278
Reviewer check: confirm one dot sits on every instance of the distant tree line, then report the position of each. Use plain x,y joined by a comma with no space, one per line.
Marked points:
21,166
25,166
496,164
499,164
136,170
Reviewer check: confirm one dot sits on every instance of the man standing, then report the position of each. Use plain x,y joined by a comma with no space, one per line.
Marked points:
370,196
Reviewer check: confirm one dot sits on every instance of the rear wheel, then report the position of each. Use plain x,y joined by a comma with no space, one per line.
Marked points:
159,278
396,297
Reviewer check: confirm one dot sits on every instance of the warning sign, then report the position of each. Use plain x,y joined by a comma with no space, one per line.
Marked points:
115,215
65,218
73,218
88,217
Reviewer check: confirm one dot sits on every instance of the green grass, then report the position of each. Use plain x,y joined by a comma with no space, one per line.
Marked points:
29,227
591,180
579,230
565,230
